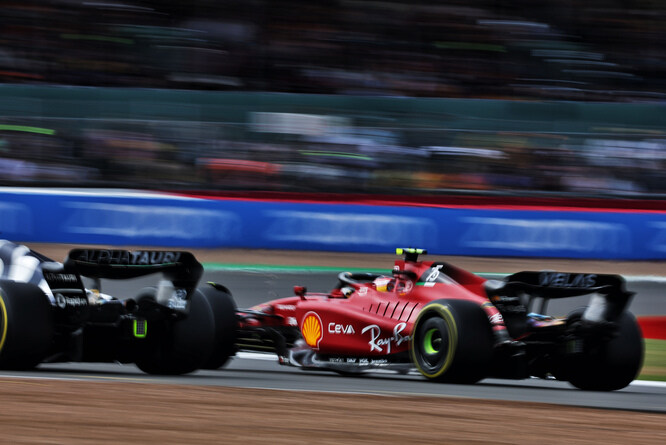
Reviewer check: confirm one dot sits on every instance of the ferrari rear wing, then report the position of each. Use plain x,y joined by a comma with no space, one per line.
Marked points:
181,268
609,296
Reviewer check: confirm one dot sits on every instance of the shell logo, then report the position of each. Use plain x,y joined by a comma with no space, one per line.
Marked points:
312,331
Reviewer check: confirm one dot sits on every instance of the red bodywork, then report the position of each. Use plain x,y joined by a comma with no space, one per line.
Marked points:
363,324
369,322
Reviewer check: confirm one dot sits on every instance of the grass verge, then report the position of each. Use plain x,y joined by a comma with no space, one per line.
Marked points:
654,365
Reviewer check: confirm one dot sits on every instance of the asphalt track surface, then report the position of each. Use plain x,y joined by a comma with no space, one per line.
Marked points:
262,371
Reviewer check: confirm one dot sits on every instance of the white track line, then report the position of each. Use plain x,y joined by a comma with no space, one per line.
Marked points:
271,357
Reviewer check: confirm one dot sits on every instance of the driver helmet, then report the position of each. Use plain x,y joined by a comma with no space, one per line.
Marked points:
384,283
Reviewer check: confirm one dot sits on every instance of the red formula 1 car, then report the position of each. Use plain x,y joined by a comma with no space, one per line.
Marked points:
454,326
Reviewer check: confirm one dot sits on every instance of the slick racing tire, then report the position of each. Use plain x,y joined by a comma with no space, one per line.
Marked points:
181,346
223,308
452,342
606,364
26,325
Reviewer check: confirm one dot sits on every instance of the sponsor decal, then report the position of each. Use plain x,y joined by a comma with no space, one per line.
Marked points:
378,343
64,302
342,360
335,328
546,235
312,331
434,273
131,222
348,228
496,319
61,277
557,279
285,307
291,321
373,361
359,361
124,257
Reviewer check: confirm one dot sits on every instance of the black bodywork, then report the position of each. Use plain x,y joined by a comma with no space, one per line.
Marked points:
173,327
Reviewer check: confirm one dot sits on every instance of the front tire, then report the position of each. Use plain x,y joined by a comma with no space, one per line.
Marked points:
452,342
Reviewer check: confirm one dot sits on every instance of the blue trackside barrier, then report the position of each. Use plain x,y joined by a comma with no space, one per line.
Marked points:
146,219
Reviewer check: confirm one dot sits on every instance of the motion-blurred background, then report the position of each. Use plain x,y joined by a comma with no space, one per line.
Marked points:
390,97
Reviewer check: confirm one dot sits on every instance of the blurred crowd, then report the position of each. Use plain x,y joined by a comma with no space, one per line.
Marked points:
598,50
550,49
340,159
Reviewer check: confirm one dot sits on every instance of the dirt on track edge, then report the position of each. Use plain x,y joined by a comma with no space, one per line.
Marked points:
77,412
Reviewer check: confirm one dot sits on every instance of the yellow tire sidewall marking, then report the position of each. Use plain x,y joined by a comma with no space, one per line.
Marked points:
4,320
452,328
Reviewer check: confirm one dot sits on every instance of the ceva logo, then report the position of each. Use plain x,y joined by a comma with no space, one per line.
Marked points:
312,331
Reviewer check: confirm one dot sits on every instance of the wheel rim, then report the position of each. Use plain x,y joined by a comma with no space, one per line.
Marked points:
432,343
433,347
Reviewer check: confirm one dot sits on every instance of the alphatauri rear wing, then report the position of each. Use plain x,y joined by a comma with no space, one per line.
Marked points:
609,296
181,268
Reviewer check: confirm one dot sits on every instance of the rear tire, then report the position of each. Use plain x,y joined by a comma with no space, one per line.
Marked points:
452,342
181,346
223,309
606,365
26,325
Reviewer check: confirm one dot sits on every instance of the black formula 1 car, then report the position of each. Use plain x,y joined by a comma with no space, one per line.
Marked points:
48,315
